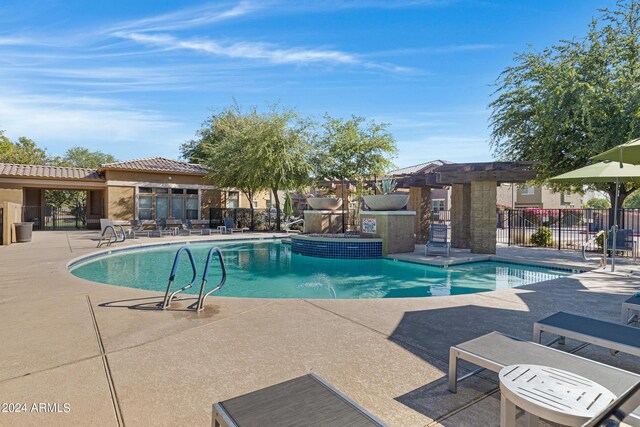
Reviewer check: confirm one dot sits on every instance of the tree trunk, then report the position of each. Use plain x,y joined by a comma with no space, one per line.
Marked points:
249,194
277,200
622,195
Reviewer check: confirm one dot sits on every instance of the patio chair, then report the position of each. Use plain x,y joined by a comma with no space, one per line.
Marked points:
304,401
104,223
438,238
187,229
495,350
138,228
228,223
614,336
624,242
162,229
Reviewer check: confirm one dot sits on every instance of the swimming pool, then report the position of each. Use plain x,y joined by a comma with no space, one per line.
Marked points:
269,269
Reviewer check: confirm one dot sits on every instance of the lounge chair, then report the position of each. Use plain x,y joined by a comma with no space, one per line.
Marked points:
187,229
438,238
495,350
613,336
162,229
228,223
619,410
302,401
201,225
138,228
624,242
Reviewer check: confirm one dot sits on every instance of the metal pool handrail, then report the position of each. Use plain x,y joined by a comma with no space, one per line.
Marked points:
202,296
108,240
172,276
604,252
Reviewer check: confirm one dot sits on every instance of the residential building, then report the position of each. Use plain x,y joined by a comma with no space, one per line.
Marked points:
529,196
144,189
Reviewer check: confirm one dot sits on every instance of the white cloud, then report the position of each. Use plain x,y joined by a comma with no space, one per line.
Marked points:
257,51
190,18
58,122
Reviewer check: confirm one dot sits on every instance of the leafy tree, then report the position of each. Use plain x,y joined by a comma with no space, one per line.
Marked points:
633,201
282,154
224,141
573,100
81,157
353,149
23,151
254,151
598,203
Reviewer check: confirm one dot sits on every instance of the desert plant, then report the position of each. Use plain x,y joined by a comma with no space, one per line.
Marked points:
542,237
387,186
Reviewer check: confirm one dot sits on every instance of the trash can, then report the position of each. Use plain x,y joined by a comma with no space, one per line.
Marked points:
23,231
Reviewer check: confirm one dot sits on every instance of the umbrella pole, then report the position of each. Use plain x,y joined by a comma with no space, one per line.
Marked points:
615,227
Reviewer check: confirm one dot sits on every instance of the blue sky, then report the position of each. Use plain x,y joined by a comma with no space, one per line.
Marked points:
137,78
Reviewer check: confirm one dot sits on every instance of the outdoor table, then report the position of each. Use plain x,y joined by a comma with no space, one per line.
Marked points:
630,309
552,394
222,229
304,401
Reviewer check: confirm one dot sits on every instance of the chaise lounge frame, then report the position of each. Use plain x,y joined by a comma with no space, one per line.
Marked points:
496,350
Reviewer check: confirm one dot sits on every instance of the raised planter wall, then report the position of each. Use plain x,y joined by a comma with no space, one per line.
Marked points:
322,222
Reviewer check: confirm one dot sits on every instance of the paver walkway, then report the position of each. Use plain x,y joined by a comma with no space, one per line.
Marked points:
68,341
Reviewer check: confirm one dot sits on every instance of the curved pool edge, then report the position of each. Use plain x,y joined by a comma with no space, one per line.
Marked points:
140,246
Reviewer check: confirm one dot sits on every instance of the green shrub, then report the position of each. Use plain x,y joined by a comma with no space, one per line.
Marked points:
542,237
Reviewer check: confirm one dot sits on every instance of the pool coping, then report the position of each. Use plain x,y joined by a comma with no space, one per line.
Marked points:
138,246
445,263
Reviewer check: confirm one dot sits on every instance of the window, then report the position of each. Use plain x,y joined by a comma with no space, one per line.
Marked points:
528,191
437,205
255,203
233,199
145,207
165,203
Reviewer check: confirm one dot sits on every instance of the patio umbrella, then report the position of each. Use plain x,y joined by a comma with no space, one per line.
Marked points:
628,152
604,172
288,208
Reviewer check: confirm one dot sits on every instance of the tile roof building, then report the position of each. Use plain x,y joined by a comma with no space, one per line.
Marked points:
141,189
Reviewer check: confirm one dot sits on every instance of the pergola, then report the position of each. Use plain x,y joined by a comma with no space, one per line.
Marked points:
473,199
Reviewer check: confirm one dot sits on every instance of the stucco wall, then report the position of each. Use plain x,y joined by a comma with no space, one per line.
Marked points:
210,199
120,203
12,213
159,178
11,193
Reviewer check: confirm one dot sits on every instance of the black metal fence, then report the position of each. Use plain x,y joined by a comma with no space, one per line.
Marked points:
1,225
59,218
265,219
567,228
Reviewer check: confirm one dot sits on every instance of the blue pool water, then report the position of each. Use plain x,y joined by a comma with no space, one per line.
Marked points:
270,270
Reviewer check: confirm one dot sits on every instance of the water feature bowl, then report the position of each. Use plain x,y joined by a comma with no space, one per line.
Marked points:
324,203
386,202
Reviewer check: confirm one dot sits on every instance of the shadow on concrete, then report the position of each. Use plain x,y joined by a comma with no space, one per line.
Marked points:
433,332
154,305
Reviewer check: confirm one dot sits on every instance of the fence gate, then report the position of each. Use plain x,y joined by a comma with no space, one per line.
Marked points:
58,218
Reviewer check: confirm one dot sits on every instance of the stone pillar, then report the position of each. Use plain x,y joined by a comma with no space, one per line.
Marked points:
483,217
460,215
395,228
420,202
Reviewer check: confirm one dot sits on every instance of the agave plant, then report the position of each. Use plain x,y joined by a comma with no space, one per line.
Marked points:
387,186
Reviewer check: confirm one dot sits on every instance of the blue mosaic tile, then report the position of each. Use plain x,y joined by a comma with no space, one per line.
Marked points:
337,249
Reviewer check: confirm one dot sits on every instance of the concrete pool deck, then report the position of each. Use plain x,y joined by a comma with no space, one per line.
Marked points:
115,361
